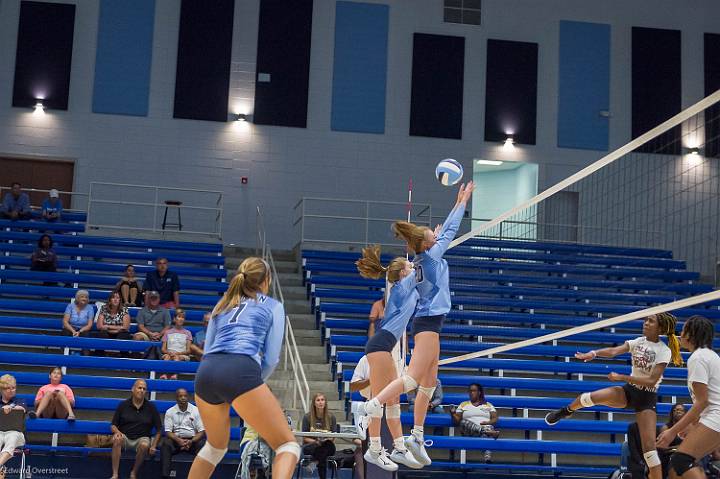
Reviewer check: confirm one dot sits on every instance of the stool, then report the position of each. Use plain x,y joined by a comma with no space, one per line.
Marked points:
172,204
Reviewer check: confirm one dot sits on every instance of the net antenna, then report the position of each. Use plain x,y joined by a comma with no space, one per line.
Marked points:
657,194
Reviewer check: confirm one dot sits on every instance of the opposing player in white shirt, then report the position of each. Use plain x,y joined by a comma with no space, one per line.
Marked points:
704,384
650,356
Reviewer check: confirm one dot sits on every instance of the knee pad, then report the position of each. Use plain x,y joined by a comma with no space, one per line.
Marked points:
211,454
292,447
426,391
681,463
652,459
392,412
409,384
586,400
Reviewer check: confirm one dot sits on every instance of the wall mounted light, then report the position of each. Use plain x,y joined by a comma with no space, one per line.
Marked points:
509,144
489,162
241,117
694,151
39,106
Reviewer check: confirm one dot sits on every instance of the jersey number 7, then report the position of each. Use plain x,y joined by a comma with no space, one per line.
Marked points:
238,311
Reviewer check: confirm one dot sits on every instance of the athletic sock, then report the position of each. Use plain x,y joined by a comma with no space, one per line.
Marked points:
399,444
375,445
419,433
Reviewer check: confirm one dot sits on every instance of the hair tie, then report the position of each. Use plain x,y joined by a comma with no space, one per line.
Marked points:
241,274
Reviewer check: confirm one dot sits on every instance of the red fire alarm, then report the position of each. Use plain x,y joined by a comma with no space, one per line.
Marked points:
244,180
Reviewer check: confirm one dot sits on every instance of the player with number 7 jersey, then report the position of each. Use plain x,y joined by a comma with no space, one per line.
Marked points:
255,327
242,348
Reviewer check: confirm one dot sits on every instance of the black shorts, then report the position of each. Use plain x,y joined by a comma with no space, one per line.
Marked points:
428,323
639,399
382,340
223,377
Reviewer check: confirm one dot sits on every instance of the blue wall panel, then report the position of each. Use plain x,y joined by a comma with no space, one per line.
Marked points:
124,57
584,85
360,67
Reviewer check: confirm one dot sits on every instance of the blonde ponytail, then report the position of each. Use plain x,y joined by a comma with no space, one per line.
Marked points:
666,324
250,276
412,234
370,266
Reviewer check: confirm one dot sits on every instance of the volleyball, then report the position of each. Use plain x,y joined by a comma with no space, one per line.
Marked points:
449,172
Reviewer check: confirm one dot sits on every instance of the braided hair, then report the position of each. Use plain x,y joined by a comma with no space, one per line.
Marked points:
699,331
666,326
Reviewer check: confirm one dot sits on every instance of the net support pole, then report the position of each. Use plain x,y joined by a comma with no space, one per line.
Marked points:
604,323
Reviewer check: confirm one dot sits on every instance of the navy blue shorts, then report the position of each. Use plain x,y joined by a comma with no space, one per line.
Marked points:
428,323
382,340
639,399
223,377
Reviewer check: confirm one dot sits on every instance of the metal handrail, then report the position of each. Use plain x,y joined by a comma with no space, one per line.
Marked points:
301,215
155,204
261,233
301,387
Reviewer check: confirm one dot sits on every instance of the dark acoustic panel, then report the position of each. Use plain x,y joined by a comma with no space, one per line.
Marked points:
283,63
44,54
436,100
511,91
656,86
202,79
712,84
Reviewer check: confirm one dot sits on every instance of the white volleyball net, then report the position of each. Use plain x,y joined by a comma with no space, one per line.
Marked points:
659,193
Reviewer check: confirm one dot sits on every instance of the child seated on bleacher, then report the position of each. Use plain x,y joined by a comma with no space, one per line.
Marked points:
54,400
176,341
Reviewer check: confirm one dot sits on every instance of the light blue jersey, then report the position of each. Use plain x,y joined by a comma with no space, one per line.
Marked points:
433,278
255,328
400,306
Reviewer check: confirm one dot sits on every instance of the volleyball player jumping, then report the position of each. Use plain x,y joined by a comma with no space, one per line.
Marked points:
433,286
650,356
399,309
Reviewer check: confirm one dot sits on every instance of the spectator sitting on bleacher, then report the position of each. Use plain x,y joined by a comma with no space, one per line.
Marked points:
198,343
54,400
153,320
184,431
476,417
377,313
132,426
52,206
129,287
79,315
44,257
164,282
176,341
9,439
114,320
15,204
319,419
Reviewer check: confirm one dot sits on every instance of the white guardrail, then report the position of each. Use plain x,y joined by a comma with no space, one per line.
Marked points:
300,386
155,209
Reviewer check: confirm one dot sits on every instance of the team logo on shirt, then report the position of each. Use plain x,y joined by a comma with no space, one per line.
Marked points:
644,358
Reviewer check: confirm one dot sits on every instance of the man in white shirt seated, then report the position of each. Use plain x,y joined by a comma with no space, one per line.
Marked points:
360,382
184,431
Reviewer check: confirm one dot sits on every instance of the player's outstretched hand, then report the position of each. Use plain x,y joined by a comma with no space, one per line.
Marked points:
585,356
465,192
